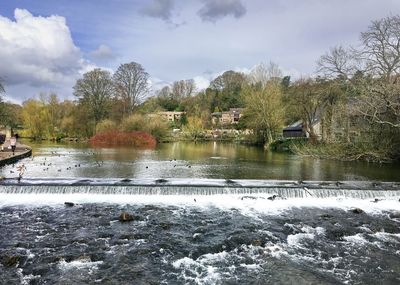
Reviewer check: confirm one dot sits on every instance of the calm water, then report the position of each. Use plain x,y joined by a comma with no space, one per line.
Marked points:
197,160
231,238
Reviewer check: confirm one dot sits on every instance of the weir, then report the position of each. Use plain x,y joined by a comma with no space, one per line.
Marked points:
281,189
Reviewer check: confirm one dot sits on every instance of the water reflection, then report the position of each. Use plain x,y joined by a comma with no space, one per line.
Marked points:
188,159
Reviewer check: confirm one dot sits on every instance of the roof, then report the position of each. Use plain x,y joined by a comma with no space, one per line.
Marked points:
297,126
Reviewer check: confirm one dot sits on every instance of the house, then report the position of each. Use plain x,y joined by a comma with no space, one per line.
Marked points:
227,118
171,116
298,130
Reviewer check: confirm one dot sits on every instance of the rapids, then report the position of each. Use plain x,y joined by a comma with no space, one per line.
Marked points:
182,233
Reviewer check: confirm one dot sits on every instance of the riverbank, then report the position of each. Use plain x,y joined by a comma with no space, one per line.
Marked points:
7,157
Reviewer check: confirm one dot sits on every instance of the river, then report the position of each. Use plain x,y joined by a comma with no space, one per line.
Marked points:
206,213
193,160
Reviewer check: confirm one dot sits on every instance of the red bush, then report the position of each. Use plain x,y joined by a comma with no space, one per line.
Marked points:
117,138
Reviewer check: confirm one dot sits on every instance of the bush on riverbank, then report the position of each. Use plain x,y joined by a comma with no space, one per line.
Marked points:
288,144
116,138
343,151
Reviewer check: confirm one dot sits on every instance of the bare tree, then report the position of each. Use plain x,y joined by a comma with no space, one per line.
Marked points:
380,102
94,90
379,54
338,62
164,92
183,88
131,83
374,70
262,73
381,47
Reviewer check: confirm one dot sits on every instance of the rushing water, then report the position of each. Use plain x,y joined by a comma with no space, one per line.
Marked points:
197,218
219,239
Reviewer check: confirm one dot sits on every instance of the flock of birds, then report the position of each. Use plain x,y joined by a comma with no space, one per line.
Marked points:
48,166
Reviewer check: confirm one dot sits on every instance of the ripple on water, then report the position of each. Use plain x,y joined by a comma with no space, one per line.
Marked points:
194,243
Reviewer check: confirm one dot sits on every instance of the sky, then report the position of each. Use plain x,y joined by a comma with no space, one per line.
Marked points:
46,45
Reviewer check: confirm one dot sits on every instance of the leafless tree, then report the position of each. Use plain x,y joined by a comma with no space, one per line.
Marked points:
374,70
131,83
338,62
165,92
378,56
262,73
380,102
183,88
94,90
381,47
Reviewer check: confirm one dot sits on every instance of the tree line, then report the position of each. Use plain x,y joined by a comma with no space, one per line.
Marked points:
355,98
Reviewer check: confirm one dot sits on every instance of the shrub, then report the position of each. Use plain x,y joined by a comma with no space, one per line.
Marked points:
115,138
134,122
105,126
154,126
157,128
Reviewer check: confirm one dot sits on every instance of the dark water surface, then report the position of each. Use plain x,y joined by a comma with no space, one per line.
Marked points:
193,160
237,242
222,232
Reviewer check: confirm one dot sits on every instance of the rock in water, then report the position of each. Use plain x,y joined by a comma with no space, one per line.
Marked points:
125,217
69,204
357,211
10,261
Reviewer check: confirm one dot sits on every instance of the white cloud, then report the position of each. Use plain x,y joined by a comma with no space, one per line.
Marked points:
103,52
38,51
201,82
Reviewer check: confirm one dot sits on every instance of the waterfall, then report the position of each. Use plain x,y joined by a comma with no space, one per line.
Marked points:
282,189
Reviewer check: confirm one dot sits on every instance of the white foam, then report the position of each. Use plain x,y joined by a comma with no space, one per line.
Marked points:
184,262
83,263
387,237
203,269
356,239
250,207
26,279
296,239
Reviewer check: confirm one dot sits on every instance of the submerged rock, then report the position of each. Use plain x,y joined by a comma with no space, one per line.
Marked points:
125,217
10,261
325,216
258,242
249,197
69,204
231,182
252,197
357,211
376,200
166,226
